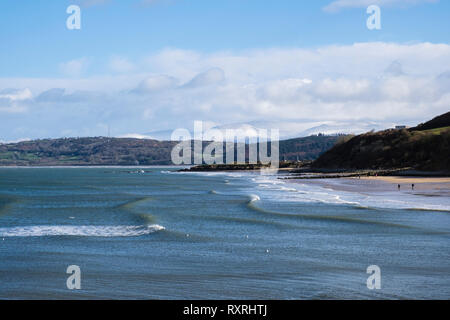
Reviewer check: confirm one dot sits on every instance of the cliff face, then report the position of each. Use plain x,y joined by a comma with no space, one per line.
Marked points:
421,149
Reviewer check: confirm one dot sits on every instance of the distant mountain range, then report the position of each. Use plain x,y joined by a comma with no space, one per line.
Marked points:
287,129
424,147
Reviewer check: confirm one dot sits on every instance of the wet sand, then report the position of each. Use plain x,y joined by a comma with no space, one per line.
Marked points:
366,185
410,180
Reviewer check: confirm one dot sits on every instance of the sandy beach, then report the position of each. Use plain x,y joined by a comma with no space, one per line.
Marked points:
423,186
415,180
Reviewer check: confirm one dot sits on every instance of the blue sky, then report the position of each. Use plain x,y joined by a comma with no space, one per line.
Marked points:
141,66
38,39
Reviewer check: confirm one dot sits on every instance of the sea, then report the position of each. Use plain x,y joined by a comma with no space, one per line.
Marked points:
156,233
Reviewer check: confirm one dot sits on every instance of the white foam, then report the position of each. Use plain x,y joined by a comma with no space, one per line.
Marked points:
231,174
288,189
274,188
82,231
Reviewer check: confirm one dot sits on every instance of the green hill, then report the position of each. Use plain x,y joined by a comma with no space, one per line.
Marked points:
126,151
307,148
86,151
425,147
441,121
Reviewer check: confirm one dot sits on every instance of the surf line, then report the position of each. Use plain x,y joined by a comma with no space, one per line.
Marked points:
207,311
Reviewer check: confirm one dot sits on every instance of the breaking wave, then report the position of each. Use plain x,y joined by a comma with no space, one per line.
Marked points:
253,198
274,189
81,231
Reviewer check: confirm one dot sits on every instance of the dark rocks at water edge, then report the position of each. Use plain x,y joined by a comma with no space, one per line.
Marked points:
245,166
225,167
329,174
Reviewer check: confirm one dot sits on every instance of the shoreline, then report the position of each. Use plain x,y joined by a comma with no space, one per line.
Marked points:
96,166
397,176
423,186
303,171
409,179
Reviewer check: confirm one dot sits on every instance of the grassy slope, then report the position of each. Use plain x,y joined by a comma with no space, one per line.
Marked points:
423,150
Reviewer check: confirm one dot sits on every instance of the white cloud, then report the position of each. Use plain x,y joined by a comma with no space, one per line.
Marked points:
156,83
74,68
378,82
395,69
54,94
12,109
120,65
16,94
343,89
338,5
14,100
210,77
284,88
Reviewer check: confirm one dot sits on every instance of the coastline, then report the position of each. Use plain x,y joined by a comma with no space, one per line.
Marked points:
407,179
423,186
216,221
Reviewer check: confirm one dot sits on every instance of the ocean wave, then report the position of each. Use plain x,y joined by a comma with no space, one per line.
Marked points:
6,203
253,198
230,174
81,231
333,219
275,189
147,218
133,203
170,172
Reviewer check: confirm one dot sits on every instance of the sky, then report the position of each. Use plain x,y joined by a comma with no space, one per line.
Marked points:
140,66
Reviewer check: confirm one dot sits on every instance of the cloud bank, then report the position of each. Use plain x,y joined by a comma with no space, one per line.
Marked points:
380,82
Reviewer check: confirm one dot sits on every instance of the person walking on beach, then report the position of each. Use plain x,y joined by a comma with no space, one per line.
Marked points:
399,187
412,186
